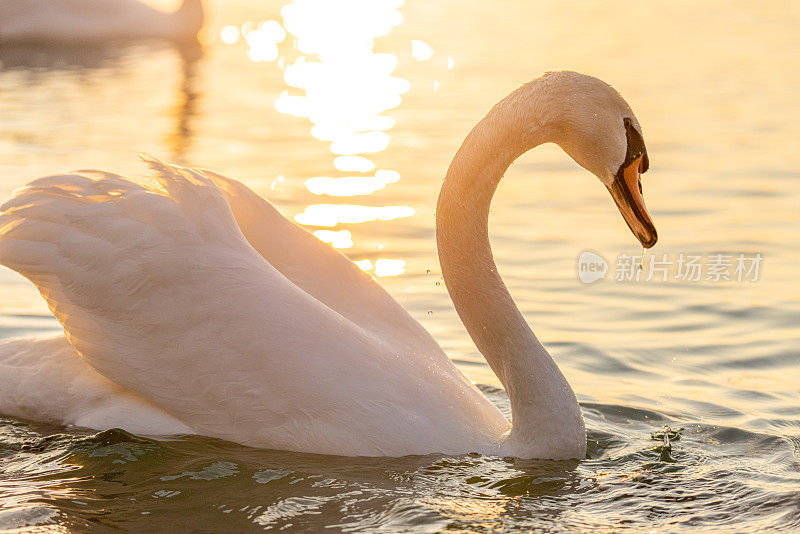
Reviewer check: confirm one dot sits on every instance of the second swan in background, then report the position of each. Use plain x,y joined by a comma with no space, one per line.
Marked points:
86,21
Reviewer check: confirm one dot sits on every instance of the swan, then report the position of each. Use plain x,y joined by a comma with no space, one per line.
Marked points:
80,21
191,305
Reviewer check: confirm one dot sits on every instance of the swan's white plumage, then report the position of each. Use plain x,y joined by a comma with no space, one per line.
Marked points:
191,301
95,20
322,271
161,293
51,383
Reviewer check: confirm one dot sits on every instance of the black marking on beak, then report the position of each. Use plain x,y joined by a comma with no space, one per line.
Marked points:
635,148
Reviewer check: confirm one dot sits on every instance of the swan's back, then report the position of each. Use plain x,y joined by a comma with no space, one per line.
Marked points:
95,20
160,292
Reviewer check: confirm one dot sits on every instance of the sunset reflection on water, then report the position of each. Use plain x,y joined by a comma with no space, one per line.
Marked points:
345,115
343,88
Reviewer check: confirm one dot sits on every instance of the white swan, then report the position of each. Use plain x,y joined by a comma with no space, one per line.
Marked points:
195,306
96,20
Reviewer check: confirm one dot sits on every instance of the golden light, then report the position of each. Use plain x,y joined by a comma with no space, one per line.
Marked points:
364,265
353,164
263,41
229,34
343,88
389,267
329,215
340,239
351,185
347,86
420,50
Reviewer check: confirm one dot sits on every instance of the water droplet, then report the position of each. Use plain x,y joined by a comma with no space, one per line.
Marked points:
438,283
427,271
430,312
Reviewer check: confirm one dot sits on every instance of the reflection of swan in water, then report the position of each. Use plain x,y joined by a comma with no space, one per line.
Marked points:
185,108
96,20
98,64
196,307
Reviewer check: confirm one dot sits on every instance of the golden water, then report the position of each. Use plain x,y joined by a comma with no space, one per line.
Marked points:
345,114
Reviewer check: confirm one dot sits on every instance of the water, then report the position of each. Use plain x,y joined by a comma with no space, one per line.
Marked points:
689,388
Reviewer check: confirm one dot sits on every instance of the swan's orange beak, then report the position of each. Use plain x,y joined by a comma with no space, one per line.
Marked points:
627,193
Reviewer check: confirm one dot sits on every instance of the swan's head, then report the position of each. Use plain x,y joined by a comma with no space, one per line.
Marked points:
592,123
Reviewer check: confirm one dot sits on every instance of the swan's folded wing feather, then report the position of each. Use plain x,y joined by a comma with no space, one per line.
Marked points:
324,272
160,292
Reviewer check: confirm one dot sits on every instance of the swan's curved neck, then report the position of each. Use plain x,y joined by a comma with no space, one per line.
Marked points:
546,415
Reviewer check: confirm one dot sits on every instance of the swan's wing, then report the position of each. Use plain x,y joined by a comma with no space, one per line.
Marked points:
160,292
322,271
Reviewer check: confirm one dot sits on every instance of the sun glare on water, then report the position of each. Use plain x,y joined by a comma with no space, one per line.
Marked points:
337,82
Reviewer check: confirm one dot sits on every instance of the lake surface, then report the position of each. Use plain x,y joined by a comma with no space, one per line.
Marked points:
690,388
